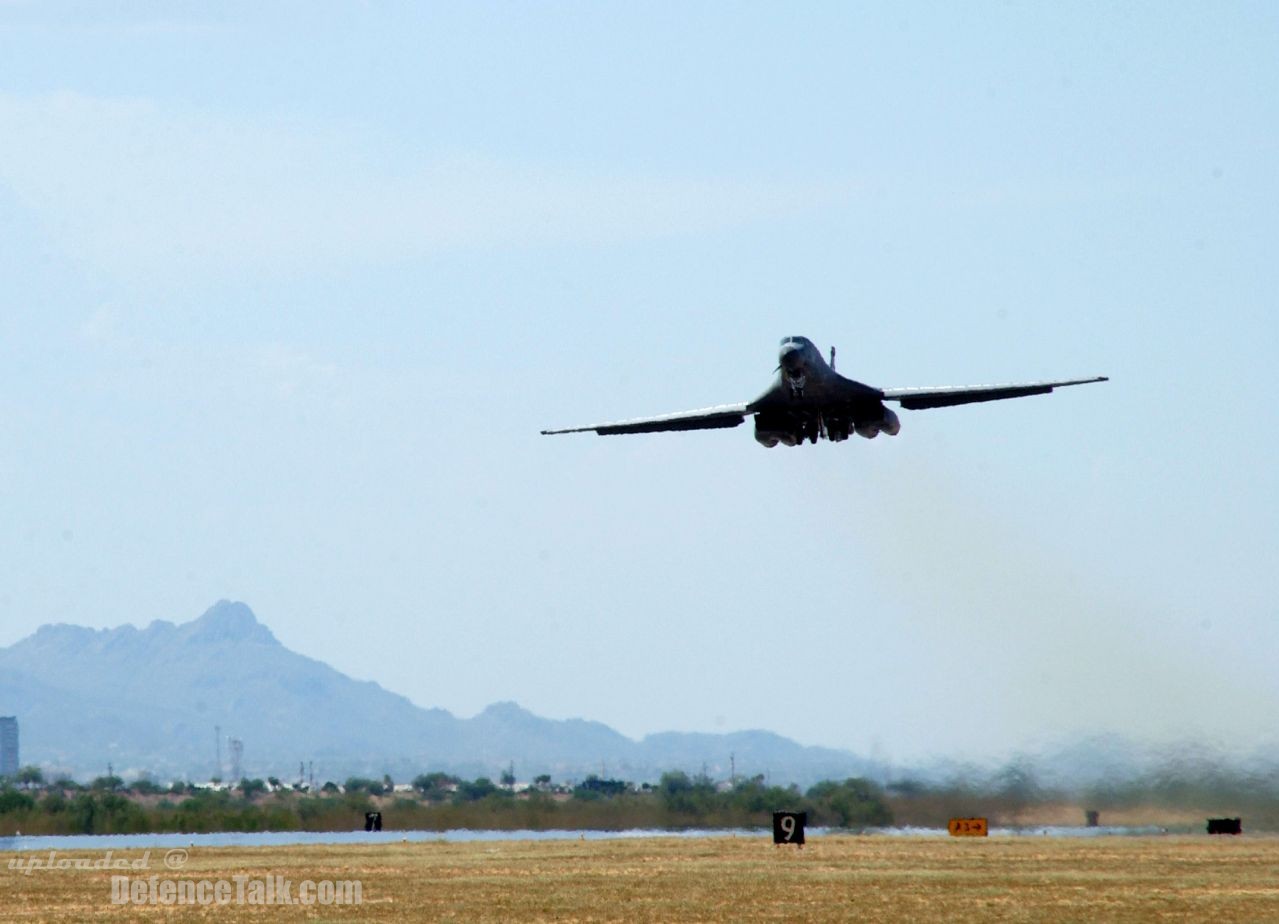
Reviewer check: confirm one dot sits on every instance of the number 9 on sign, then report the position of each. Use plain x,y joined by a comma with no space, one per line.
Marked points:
788,827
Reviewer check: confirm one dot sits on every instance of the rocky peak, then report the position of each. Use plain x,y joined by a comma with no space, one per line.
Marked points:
229,621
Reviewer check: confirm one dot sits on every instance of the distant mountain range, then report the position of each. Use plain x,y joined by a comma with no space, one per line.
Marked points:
149,700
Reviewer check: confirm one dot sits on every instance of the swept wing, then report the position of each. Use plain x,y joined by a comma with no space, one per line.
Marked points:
706,418
947,396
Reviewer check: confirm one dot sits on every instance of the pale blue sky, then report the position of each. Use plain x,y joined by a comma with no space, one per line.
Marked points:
288,293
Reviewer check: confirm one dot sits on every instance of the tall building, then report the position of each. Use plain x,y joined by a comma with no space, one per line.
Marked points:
8,746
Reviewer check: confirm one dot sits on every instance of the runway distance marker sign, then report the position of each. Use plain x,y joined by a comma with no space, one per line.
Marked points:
788,827
968,827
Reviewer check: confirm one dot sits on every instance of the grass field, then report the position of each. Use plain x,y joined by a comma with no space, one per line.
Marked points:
714,879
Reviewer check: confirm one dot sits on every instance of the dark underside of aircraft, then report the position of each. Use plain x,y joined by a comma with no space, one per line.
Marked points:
810,401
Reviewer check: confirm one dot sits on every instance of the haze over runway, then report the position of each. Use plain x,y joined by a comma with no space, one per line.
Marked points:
290,291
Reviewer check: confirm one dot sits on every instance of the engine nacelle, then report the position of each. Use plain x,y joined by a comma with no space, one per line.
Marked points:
770,438
771,429
887,424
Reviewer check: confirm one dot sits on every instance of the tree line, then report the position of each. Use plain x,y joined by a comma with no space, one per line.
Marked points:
1011,796
438,802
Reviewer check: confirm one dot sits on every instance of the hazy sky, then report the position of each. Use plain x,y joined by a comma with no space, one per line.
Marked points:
289,290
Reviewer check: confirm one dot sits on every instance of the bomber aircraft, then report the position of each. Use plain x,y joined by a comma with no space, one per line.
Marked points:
810,400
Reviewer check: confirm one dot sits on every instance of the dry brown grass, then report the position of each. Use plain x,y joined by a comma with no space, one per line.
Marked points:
719,879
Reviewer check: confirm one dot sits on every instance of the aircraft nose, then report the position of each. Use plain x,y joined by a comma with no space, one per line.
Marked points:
790,357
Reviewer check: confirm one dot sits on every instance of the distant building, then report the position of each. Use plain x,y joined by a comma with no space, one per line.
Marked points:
8,746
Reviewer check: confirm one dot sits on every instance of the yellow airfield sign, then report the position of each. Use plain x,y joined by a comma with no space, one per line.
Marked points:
967,827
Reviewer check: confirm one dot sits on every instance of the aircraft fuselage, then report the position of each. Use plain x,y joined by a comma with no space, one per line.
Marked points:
810,400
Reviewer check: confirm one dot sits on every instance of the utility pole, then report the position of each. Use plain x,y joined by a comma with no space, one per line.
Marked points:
237,754
732,760
217,743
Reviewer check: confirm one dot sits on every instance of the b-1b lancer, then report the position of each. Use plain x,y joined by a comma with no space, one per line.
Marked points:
810,401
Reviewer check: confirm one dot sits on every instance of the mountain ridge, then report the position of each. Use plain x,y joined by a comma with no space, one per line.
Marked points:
148,700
